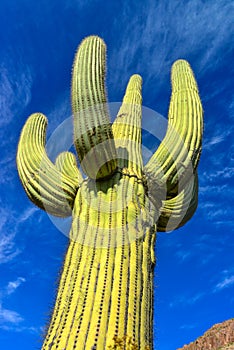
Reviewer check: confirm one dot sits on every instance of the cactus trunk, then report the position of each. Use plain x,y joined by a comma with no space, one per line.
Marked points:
105,298
105,293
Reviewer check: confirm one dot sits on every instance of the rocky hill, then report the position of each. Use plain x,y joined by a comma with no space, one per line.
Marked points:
218,337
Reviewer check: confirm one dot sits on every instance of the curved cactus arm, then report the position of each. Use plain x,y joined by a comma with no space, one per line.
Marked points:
45,185
175,212
66,163
93,136
127,127
177,156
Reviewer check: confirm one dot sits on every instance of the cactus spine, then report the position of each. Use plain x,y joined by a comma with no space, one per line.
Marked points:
105,294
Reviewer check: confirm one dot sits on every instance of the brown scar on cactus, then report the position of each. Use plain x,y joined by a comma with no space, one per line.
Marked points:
105,294
125,343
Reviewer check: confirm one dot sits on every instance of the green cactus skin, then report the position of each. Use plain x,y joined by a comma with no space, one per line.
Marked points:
91,118
182,143
105,295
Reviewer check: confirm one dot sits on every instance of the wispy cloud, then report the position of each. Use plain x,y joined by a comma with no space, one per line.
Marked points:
15,89
218,213
215,204
216,187
225,283
220,173
27,213
7,169
11,320
206,249
188,326
216,139
211,189
226,173
12,286
19,328
8,250
183,255
226,223
186,299
192,29
9,225
9,316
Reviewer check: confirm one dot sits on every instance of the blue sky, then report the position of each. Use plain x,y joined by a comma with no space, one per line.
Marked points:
194,278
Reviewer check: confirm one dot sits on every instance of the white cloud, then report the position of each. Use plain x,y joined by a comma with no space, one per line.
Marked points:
216,210
188,326
9,225
225,222
225,173
8,250
12,286
166,31
183,255
186,300
8,228
9,316
217,213
15,90
217,139
27,213
19,328
203,190
225,283
11,320
7,168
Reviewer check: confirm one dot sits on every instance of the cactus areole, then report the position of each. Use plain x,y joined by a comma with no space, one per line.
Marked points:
105,294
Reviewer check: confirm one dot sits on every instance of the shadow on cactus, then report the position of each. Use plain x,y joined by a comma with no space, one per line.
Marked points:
105,293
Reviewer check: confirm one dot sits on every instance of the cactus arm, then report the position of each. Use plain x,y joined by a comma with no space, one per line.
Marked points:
66,163
175,212
44,184
127,128
93,136
177,156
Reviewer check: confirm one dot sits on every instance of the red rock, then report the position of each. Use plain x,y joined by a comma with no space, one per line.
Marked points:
218,337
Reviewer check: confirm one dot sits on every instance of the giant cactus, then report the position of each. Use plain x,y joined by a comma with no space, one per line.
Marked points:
105,294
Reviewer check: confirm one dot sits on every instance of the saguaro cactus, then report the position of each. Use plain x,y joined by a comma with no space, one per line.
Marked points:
105,295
